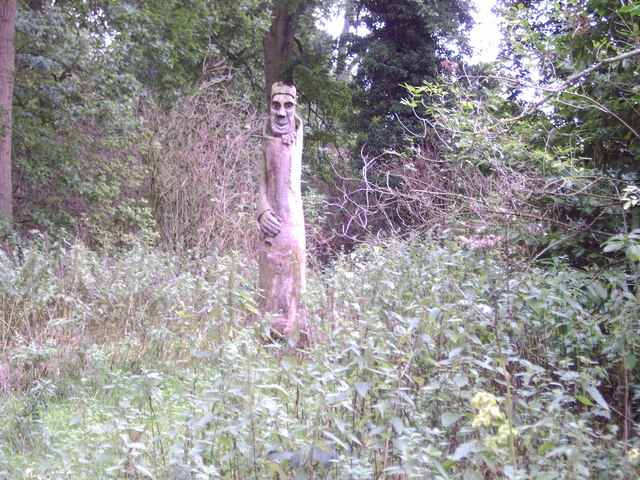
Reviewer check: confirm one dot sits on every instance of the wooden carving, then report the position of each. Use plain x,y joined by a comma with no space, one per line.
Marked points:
280,215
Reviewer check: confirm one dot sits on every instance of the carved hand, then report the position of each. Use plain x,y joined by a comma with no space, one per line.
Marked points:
270,223
289,138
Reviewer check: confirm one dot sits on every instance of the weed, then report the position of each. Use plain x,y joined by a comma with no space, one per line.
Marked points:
429,361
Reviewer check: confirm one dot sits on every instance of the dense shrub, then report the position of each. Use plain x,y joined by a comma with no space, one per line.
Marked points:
436,359
204,163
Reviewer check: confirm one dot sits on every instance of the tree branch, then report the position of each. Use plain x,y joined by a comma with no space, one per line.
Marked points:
568,82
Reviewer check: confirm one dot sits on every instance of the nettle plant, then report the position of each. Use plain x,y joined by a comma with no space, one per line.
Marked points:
534,340
441,358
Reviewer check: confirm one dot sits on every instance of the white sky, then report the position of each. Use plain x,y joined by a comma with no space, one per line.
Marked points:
485,36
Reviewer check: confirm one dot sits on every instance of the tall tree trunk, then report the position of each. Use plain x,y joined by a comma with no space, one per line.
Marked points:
278,43
343,68
282,251
7,54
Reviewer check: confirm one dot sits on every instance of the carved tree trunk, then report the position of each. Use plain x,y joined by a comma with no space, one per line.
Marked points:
282,258
278,43
282,255
7,53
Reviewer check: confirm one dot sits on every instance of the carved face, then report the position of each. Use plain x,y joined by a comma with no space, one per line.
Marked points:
283,113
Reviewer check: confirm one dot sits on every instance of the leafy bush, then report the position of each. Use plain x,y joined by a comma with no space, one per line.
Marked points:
57,292
77,162
434,359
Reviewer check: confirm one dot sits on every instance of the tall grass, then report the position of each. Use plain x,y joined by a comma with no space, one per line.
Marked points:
429,360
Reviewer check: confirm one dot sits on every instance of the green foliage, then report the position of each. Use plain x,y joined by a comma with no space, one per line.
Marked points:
326,100
428,360
170,45
75,157
87,74
445,357
517,164
405,43
600,110
54,290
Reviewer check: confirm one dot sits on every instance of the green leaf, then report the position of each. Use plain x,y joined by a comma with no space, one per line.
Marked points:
334,438
362,388
471,475
460,380
398,425
585,400
542,449
463,450
449,418
274,387
595,394
630,361
75,420
633,252
548,475
632,8
447,464
602,292
455,352
323,455
301,474
613,247
279,456
143,470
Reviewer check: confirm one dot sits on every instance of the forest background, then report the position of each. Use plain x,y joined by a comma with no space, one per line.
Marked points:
473,233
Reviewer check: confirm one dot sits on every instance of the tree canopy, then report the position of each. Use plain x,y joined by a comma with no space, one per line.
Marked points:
405,43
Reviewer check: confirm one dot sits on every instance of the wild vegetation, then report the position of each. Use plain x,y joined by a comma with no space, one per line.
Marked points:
437,359
472,309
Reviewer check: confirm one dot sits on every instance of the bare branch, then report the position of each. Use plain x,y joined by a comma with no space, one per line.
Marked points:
567,83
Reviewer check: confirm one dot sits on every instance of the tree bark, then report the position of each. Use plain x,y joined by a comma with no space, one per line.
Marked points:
279,42
7,71
343,68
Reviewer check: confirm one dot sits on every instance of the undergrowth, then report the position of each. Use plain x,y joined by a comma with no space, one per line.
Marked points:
428,360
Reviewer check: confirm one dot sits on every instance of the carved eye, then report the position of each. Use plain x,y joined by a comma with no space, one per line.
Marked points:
288,105
275,105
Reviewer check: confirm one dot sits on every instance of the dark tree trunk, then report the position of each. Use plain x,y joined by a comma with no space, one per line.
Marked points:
7,67
279,42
